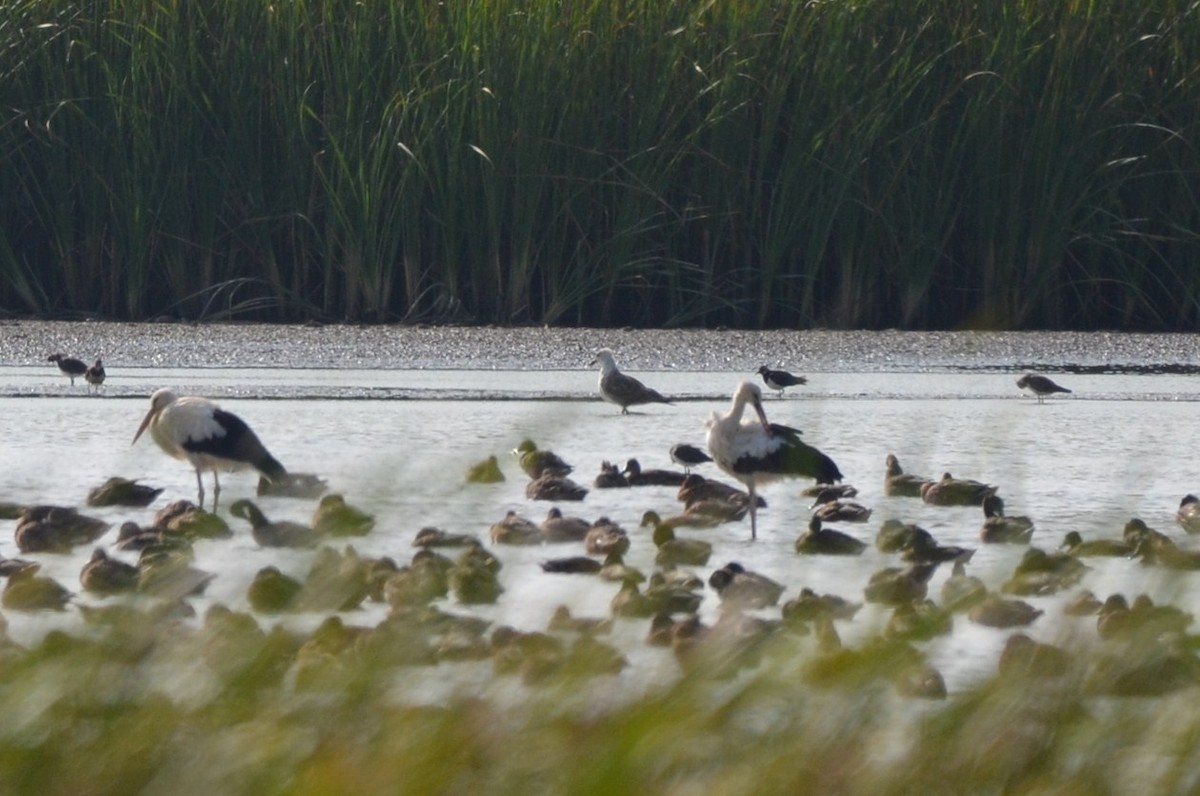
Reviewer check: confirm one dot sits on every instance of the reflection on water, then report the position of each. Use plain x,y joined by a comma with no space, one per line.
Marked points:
1116,448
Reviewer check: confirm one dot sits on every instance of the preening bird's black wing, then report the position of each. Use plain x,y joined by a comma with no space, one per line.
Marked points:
789,455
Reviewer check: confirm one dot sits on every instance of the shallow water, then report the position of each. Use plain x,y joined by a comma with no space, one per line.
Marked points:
397,442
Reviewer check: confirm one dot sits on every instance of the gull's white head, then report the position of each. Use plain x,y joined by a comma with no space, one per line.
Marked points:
604,358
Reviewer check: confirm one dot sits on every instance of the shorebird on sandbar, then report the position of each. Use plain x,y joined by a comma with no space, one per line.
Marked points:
1039,385
780,380
624,391
69,366
95,375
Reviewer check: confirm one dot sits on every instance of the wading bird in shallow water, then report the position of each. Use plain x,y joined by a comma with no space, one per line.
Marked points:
688,456
207,437
780,380
274,534
897,482
756,452
624,391
95,375
69,366
1039,386
1188,514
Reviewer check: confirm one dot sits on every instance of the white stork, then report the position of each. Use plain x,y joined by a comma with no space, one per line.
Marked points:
208,437
756,451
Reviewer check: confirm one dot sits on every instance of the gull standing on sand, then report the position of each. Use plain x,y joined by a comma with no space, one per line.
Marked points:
624,391
756,452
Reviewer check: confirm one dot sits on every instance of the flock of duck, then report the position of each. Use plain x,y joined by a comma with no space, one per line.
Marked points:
1153,654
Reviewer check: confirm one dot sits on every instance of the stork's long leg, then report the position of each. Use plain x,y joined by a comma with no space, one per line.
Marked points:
753,511
199,488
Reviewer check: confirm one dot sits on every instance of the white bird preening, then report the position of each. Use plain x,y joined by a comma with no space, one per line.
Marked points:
756,451
207,437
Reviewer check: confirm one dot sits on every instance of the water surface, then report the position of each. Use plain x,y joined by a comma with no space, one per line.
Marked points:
397,442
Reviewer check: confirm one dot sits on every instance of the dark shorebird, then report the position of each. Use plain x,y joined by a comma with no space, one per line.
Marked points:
107,575
207,437
780,380
43,529
1188,514
274,534
842,511
1000,528
756,451
812,607
624,391
548,486
1074,544
436,537
335,517
688,456
951,491
818,540
636,476
95,375
28,591
605,537
895,585
572,565
69,366
485,472
674,551
696,488
823,493
686,519
118,491
996,611
899,483
537,462
744,588
1039,385
610,477
515,529
960,591
557,528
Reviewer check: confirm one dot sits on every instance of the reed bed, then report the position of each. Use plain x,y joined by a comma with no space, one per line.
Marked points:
756,163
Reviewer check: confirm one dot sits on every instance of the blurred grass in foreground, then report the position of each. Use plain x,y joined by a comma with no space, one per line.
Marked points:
929,164
144,702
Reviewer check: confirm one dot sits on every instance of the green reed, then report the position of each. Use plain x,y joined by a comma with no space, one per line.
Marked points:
755,163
